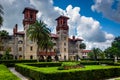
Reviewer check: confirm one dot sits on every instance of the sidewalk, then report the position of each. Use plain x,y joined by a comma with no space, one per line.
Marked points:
12,69
118,78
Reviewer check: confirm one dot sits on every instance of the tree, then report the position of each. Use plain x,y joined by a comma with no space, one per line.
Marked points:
3,35
6,55
1,13
91,55
39,33
96,52
48,44
82,46
109,53
116,46
114,50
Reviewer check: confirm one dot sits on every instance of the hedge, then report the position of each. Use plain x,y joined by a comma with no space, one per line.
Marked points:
11,63
5,74
75,74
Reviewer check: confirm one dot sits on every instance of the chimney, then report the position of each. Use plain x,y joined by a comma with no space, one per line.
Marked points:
73,37
16,28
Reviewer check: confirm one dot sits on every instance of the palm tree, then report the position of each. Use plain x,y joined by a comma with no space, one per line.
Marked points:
39,33
48,45
96,51
3,37
1,13
82,46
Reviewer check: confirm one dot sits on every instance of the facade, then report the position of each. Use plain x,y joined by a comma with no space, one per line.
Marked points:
23,48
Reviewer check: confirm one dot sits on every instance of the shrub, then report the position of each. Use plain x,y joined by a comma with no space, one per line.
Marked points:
45,64
11,63
98,73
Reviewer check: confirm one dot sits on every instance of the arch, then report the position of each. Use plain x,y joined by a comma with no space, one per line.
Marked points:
1,56
20,42
20,57
31,56
56,58
41,58
49,59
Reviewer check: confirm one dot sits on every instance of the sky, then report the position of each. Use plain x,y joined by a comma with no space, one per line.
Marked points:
97,22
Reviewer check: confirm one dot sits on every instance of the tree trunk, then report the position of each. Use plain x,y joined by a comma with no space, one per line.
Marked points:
115,59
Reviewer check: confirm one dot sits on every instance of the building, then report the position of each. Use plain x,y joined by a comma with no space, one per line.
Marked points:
85,53
23,48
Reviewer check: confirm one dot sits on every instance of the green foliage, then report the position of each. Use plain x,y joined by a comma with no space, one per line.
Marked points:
70,63
39,33
114,50
5,74
93,72
6,55
82,46
45,64
96,52
11,63
91,55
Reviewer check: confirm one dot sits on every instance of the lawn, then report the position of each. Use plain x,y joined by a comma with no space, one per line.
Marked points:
5,74
55,69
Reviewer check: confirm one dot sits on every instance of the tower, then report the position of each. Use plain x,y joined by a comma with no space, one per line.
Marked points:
29,46
29,16
62,29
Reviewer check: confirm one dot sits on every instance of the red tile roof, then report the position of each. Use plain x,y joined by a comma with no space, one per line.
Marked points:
86,51
47,54
77,39
54,35
28,8
20,32
62,17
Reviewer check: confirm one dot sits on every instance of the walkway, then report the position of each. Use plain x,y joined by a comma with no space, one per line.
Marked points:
12,69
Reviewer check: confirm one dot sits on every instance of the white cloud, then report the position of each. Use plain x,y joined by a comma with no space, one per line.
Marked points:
81,26
109,8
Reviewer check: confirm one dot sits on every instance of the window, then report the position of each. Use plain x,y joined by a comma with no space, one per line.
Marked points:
10,49
64,38
54,44
31,16
31,48
31,57
20,42
20,48
64,44
54,50
1,48
64,49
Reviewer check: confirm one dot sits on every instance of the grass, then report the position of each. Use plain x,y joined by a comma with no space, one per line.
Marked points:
5,74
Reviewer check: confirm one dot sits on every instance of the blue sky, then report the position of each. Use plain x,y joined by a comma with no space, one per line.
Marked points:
85,5
97,22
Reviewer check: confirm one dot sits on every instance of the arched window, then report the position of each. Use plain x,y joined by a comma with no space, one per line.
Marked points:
20,42
31,57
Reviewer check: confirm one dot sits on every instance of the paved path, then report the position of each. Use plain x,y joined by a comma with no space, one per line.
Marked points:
12,69
118,78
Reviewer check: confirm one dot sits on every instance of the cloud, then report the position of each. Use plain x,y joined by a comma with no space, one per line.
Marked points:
13,13
80,26
47,12
109,8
